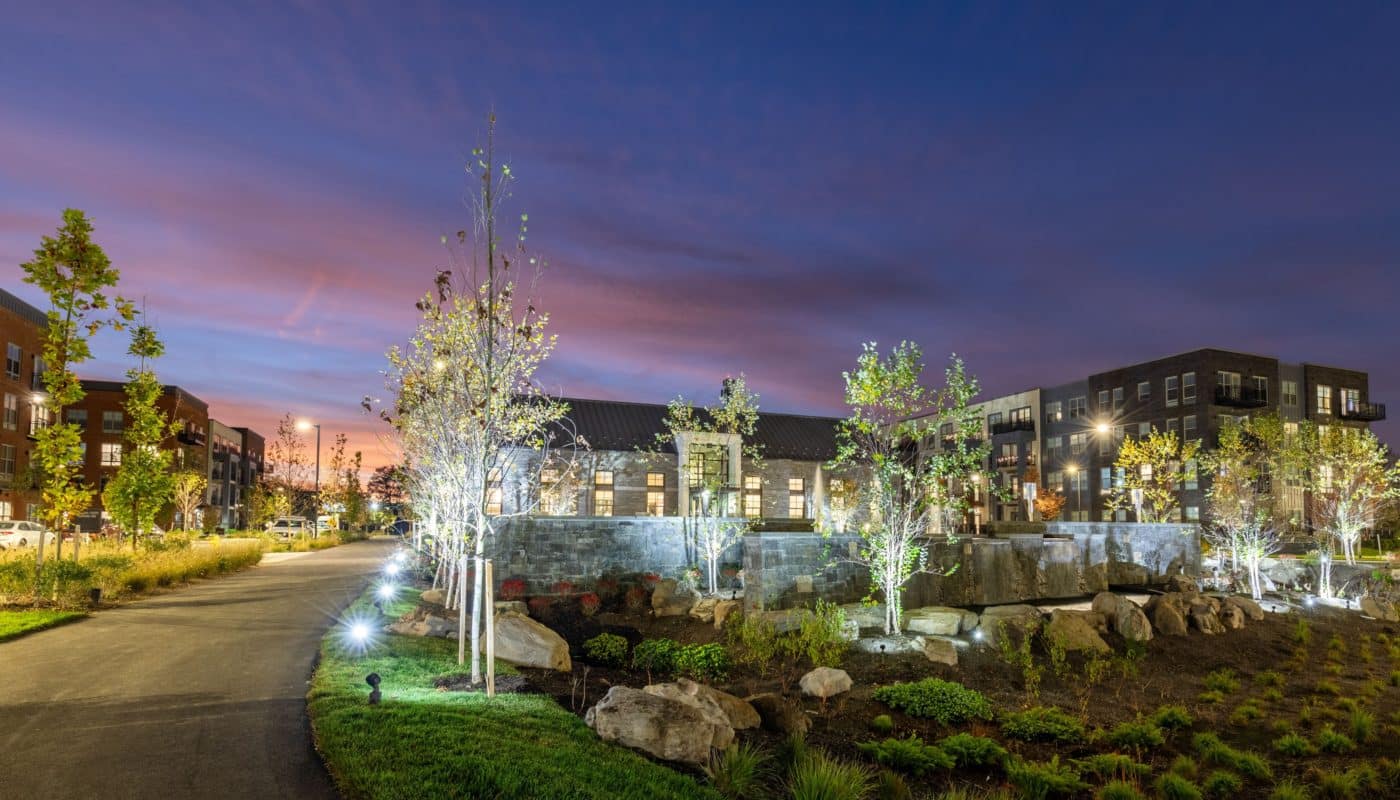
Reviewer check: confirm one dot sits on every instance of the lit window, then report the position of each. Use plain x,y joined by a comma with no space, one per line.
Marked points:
1351,400
603,492
39,417
1189,475
797,498
1290,393
7,461
1144,391
11,412
1103,400
1188,388
111,454
602,477
753,496
1229,383
1117,398
493,501
1077,442
12,359
7,510
1171,389
1324,399
1053,412
656,493
1105,480
550,500
1193,513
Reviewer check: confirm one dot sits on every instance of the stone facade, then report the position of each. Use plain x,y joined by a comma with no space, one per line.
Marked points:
789,569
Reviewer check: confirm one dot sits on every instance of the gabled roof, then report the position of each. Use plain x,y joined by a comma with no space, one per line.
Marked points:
620,425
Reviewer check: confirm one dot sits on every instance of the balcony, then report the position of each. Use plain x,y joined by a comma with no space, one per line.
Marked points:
191,437
1240,397
1363,412
1008,461
1013,425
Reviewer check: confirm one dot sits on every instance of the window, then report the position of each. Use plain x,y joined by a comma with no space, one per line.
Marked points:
1189,480
11,412
111,454
993,420
1173,425
12,359
797,498
656,494
1350,400
493,492
1103,400
1078,407
7,510
1229,383
1188,388
1290,429
1052,446
1105,480
77,416
1055,480
550,501
1078,480
1290,393
1172,389
7,461
753,496
82,455
1144,430
1324,399
1009,456
1188,427
603,493
1105,443
1077,441
1053,412
1144,391
112,422
36,377
1193,513
1261,388
1117,398
39,415
31,511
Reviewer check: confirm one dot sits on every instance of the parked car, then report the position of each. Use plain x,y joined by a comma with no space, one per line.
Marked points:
287,527
15,533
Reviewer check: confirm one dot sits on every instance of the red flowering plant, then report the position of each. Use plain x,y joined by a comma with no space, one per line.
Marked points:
651,579
539,605
512,588
636,598
589,603
562,588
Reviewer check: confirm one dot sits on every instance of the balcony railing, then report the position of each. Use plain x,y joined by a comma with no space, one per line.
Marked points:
1363,412
1240,397
1008,461
1013,425
190,436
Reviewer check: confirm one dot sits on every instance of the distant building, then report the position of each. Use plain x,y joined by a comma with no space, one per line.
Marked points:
21,385
235,464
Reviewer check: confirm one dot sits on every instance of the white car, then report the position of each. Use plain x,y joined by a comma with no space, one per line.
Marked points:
288,527
23,534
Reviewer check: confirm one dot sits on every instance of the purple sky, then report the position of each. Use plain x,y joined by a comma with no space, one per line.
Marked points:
1047,194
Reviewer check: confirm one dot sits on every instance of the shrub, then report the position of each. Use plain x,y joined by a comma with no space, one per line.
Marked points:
707,663
635,599
1288,790
1252,765
1302,632
1328,686
1172,718
1329,741
1271,695
740,771
892,786
1335,670
754,641
1185,766
1222,680
1362,722
1246,713
1044,725
1037,781
1294,745
819,638
1106,766
820,777
1333,785
936,699
968,750
1214,751
608,649
1395,677
513,588
656,657
1269,678
539,605
1221,784
1118,790
1211,697
1139,735
589,603
909,755
882,724
1174,787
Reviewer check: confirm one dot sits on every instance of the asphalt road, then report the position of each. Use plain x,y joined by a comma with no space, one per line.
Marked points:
199,693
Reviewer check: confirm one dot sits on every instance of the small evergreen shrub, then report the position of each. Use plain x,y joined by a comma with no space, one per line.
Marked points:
1223,681
1329,741
1294,745
1172,718
1174,787
1043,725
1118,790
607,649
882,724
1185,766
931,698
1288,790
656,656
968,750
909,755
1041,780
1139,735
1221,785
1106,766
821,777
707,663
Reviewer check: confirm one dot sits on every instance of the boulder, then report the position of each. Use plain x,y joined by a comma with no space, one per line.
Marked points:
850,630
689,693
1380,609
670,599
426,625
513,606
780,714
1106,603
1285,571
824,682
1231,616
890,645
934,621
785,620
1123,616
1182,583
1250,608
1168,620
865,615
722,611
1020,618
435,596
940,650
665,728
522,641
704,609
1076,630
1204,619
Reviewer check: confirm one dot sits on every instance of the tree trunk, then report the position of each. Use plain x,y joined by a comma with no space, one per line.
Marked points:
462,613
1255,590
1324,579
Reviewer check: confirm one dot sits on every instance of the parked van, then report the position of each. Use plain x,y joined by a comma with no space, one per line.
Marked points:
288,527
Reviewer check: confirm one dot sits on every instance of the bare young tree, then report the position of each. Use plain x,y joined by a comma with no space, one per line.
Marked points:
1250,464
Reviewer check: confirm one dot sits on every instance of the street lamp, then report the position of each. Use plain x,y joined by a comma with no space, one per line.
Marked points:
305,425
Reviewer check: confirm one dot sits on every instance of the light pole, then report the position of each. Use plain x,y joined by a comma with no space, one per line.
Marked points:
303,425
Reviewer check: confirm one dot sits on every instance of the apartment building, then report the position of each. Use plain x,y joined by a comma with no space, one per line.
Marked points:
235,464
21,389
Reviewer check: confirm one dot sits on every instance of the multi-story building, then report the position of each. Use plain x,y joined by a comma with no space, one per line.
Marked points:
1080,425
235,463
21,389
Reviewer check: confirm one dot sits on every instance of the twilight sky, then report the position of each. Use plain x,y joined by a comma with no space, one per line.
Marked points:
1045,193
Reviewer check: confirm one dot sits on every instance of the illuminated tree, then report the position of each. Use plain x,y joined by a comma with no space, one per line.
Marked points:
467,410
1155,465
143,484
1049,504
74,272
890,411
266,503
288,469
1349,481
1253,460
187,494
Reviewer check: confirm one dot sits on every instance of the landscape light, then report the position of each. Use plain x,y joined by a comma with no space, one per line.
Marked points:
359,632
978,635
386,591
391,568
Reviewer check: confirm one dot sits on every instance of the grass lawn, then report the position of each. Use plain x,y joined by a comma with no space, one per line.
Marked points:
18,623
421,742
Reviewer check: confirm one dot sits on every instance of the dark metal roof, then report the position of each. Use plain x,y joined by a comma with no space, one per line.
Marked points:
120,386
23,309
619,425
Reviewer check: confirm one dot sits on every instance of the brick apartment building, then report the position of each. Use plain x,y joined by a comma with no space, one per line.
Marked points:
21,329
1071,432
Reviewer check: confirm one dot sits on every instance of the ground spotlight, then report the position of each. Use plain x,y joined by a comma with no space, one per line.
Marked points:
391,568
978,635
386,591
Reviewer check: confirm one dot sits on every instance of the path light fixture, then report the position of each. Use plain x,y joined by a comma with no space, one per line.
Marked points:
391,569
373,680
386,591
978,635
